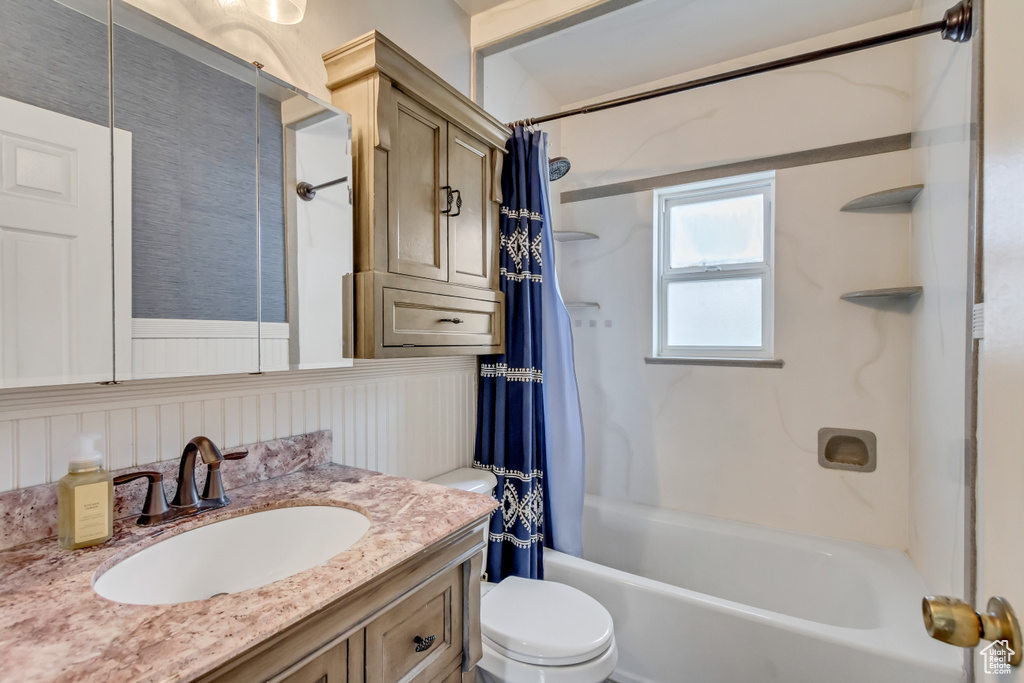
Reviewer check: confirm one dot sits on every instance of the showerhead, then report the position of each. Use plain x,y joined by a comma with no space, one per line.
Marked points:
557,168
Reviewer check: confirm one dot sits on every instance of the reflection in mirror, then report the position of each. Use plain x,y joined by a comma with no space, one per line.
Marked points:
305,230
187,250
56,290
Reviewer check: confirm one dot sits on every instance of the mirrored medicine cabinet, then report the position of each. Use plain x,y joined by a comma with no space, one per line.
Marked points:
150,223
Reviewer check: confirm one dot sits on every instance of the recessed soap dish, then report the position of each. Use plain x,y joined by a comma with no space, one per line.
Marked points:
847,449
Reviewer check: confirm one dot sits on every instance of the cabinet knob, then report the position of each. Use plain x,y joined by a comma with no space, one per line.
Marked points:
454,321
423,643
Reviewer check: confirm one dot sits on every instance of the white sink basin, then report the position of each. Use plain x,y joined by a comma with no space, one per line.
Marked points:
233,555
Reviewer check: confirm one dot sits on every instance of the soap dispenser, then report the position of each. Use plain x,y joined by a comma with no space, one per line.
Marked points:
85,498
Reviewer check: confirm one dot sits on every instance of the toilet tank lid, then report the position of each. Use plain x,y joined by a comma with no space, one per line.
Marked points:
468,479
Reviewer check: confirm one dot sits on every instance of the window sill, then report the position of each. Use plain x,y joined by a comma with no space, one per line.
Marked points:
724,362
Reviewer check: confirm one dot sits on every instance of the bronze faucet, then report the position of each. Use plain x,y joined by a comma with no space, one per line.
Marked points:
187,500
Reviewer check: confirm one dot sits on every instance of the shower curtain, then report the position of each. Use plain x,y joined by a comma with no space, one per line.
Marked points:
529,428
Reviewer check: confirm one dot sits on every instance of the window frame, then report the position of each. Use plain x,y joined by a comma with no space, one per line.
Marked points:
762,184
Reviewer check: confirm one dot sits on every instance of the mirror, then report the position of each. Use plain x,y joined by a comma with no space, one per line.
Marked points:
305,230
186,264
191,253
56,285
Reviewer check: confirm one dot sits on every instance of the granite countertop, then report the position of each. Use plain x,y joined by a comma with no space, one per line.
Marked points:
54,627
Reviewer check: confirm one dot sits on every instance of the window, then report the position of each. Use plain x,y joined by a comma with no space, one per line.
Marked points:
713,290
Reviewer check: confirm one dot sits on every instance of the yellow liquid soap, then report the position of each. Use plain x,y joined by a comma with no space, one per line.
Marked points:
85,500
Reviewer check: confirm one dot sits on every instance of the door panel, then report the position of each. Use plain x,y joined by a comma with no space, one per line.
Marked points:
470,242
417,164
56,283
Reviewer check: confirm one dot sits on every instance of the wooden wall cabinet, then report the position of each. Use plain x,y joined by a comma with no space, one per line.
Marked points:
427,171
418,623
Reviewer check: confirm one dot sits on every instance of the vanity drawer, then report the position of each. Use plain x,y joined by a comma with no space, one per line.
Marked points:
422,319
434,611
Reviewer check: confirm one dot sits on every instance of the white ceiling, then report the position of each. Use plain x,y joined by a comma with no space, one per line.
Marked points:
655,39
477,6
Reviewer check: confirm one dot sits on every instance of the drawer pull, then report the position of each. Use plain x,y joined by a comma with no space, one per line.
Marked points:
423,643
454,321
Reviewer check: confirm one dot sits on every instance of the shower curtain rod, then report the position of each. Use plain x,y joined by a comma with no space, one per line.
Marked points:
954,26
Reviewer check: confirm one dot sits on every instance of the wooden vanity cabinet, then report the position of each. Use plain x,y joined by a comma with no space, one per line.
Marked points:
427,172
416,623
328,667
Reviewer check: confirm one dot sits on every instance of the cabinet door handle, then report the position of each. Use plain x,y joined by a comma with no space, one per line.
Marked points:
449,198
452,197
423,643
455,321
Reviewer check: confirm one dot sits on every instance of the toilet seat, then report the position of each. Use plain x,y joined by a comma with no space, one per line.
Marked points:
544,623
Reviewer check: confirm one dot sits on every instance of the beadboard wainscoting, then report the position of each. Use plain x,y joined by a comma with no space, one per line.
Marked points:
165,348
409,417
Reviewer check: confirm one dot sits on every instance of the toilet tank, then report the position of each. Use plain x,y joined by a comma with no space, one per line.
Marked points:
469,479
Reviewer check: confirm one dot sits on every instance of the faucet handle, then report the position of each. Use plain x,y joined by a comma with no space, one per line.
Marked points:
155,509
214,494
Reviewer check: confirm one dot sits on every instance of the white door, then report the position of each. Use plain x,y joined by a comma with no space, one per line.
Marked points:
56,275
1001,394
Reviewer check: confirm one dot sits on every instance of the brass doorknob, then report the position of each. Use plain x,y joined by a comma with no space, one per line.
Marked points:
955,622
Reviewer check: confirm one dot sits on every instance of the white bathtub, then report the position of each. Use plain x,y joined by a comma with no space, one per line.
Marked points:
706,600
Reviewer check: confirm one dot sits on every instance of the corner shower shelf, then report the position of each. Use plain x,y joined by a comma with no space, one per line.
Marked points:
582,304
574,236
895,197
887,293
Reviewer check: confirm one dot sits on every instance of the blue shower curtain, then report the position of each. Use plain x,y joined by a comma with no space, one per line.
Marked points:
540,490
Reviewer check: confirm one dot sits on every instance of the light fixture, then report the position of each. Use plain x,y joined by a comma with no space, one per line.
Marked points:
279,11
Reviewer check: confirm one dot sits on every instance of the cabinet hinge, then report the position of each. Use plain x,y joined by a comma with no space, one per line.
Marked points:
978,321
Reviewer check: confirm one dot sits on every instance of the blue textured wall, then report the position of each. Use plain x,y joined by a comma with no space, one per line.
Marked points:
194,215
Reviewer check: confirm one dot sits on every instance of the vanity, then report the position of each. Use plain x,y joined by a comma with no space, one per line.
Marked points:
400,604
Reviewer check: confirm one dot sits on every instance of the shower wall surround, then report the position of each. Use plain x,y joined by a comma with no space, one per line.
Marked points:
742,442
511,94
411,418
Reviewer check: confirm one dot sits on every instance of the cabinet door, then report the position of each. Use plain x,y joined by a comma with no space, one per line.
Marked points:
417,173
421,637
471,257
329,667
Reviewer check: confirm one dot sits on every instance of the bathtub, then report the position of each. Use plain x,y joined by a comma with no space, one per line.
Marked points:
707,600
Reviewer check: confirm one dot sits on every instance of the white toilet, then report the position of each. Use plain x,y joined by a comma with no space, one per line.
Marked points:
537,631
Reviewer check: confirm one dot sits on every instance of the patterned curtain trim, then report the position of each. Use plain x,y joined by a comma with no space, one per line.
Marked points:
513,474
519,277
520,248
527,510
511,374
522,213
514,540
